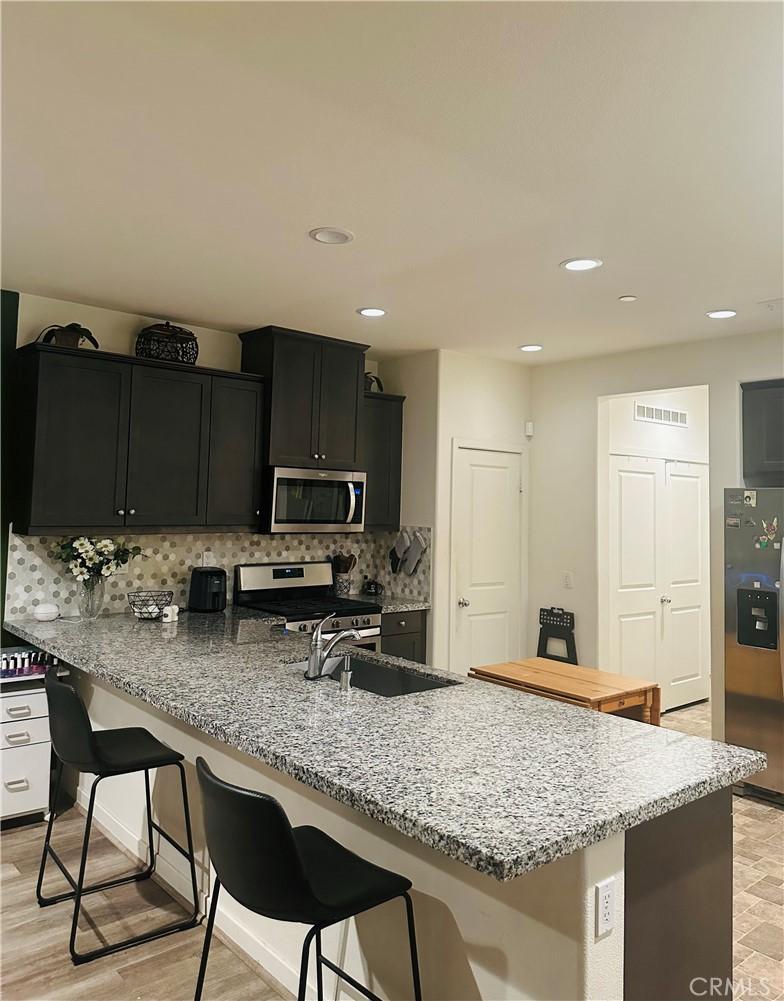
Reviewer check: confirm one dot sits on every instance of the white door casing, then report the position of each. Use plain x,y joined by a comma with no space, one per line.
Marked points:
486,591
659,589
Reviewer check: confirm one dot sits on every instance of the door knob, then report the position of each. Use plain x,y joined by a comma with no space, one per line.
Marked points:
665,600
463,602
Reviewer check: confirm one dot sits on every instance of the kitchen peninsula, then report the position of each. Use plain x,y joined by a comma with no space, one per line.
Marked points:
504,809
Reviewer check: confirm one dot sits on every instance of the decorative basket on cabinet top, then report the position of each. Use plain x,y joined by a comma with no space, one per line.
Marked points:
166,342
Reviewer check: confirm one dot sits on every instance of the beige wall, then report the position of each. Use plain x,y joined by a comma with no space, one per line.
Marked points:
564,466
415,376
116,331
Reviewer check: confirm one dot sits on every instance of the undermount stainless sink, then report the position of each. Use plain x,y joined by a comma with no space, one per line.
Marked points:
387,680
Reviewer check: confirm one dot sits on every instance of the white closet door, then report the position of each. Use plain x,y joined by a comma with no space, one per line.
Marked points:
684,668
636,565
659,589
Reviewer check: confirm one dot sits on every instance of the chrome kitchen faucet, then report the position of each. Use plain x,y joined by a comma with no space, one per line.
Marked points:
319,650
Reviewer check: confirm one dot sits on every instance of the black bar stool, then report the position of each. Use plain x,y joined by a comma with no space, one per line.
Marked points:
291,874
104,753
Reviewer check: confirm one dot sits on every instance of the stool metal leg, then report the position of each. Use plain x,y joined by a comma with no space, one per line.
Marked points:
52,813
150,835
189,838
319,972
205,952
303,970
82,867
413,947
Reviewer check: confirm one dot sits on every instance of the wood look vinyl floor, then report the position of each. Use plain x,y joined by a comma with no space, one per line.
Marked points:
34,941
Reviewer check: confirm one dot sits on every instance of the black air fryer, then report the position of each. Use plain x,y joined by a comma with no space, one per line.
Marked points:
208,590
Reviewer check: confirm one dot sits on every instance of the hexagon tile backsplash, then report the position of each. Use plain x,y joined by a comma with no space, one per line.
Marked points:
35,577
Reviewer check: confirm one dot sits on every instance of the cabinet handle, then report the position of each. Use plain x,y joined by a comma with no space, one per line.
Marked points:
17,784
258,511
323,456
401,622
131,510
22,735
120,510
19,711
315,455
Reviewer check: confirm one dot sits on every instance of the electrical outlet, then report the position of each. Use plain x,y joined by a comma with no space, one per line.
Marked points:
567,579
605,906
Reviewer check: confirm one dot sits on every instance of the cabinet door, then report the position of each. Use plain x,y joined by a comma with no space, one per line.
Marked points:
294,411
169,448
407,645
81,442
340,398
763,433
234,488
381,445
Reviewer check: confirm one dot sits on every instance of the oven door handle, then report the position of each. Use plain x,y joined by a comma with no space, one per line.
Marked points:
352,502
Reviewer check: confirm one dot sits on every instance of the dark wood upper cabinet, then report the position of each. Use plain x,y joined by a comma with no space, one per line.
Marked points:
340,401
108,441
73,418
169,447
236,451
381,452
315,392
763,433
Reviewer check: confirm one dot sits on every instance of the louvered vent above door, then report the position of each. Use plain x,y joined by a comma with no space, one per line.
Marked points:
660,415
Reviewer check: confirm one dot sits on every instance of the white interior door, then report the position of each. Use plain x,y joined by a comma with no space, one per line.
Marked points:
486,558
637,573
684,674
659,601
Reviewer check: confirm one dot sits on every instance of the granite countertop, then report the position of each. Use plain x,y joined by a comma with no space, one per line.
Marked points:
502,781
398,603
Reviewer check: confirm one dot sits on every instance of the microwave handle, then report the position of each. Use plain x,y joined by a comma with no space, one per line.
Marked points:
352,503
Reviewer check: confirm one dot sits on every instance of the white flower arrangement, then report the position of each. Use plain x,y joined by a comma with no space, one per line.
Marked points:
91,560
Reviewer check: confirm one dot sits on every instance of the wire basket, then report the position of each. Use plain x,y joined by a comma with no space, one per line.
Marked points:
166,342
149,604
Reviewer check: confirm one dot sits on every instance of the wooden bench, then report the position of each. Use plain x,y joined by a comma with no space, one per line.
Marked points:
580,686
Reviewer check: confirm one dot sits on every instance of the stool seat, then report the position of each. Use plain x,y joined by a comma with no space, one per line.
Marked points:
344,883
130,749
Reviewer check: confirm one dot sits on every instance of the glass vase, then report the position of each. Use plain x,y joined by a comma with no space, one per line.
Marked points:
91,598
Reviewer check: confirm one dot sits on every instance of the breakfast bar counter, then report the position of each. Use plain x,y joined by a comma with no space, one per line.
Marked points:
504,808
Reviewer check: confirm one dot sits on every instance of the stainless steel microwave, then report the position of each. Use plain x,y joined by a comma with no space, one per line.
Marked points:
317,500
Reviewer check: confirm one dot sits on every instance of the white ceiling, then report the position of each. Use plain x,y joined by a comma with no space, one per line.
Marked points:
170,158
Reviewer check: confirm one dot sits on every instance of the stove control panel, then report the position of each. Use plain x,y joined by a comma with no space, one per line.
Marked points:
369,625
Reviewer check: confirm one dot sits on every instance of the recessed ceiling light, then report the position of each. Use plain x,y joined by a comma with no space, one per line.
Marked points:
371,311
582,263
331,234
530,347
627,298
721,314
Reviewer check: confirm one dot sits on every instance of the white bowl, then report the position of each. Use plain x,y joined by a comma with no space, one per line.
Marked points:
47,612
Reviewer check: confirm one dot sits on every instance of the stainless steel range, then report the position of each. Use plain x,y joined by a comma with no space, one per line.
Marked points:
302,594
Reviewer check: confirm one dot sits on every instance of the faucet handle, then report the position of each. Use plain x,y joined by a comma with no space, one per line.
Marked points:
316,634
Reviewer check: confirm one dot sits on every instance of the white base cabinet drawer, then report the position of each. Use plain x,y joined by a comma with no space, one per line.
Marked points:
26,705
24,773
24,731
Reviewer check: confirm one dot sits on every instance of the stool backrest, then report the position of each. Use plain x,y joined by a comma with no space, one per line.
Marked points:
69,724
252,848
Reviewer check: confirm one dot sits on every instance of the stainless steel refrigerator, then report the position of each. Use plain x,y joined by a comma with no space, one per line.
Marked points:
753,609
